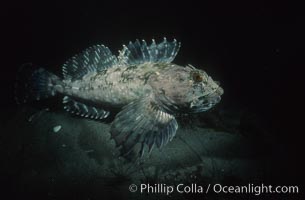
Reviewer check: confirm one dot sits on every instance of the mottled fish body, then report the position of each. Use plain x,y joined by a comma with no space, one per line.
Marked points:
142,81
114,87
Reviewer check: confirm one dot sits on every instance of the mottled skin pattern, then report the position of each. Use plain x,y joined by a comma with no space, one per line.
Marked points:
118,86
185,89
113,87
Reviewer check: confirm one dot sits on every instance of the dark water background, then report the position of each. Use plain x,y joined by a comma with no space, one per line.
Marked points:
256,51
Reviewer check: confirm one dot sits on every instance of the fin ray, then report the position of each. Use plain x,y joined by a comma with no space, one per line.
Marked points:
94,59
142,123
138,52
84,110
35,84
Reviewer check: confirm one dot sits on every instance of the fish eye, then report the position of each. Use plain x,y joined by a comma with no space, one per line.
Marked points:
197,77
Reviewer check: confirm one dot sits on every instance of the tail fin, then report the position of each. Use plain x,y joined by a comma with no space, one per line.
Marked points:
34,84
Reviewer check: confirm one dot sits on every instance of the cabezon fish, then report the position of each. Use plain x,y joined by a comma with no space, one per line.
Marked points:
142,82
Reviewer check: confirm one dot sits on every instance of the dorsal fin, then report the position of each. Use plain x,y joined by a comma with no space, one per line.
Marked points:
139,52
93,59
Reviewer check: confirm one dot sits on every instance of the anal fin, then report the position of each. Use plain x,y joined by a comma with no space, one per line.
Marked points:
83,110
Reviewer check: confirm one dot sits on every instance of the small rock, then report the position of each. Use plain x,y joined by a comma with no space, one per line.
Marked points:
56,128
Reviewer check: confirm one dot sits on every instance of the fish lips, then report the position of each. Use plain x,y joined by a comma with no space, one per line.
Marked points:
204,103
206,100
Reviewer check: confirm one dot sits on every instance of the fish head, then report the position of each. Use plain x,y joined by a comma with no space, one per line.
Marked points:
186,90
205,92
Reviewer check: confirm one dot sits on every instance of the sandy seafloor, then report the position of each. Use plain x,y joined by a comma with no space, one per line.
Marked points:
80,160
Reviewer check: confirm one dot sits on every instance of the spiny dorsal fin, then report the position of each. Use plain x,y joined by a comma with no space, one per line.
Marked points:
93,59
139,52
83,110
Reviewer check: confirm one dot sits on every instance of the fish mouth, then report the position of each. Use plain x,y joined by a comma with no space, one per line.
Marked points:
215,100
209,99
204,103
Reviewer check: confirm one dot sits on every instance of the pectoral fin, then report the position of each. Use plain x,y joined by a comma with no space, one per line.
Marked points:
141,125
